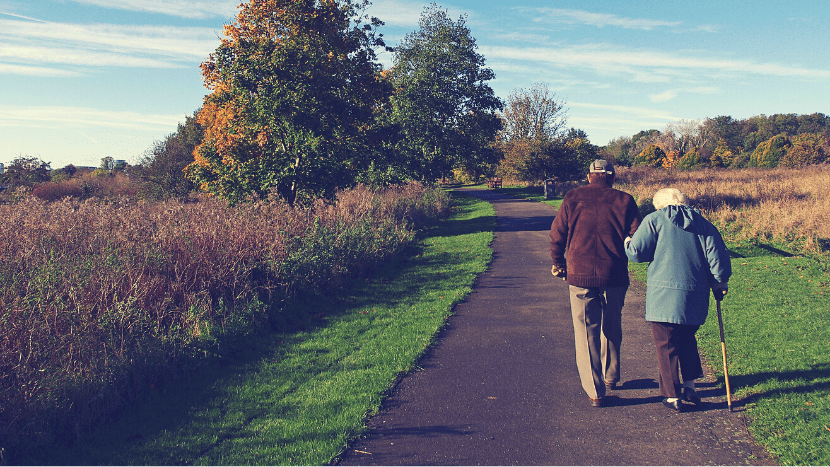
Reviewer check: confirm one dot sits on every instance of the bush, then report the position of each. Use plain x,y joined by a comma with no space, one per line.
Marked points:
806,149
99,299
53,191
768,153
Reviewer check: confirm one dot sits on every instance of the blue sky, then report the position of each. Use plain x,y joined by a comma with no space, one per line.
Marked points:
86,79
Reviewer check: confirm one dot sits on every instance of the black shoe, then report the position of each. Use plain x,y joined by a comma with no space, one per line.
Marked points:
677,405
597,402
610,386
689,395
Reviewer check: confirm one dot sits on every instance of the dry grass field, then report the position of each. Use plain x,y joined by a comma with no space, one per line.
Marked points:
783,205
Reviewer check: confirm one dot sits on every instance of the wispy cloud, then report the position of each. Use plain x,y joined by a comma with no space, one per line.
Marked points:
3,13
400,13
670,94
599,20
664,96
24,70
646,64
81,117
34,48
618,119
192,9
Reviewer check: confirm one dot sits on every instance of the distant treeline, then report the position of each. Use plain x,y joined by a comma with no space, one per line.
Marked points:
788,140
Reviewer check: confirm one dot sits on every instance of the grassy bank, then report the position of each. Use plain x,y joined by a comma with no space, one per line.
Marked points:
297,397
777,336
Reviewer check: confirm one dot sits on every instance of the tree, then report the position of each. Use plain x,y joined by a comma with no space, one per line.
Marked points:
534,113
722,156
442,105
107,163
692,160
26,171
618,151
579,154
652,156
806,149
294,87
162,168
768,153
563,159
534,142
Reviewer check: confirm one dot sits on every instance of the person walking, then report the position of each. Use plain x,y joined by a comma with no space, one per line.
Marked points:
586,247
687,257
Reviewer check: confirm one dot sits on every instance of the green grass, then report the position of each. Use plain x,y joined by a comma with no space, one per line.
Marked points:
297,398
533,193
777,335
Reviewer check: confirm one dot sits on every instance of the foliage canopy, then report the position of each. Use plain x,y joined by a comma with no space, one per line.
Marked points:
442,105
294,86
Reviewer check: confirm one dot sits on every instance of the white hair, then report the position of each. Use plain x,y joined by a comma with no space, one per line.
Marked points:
669,197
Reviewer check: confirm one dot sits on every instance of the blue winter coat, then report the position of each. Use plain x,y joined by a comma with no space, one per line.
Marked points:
687,256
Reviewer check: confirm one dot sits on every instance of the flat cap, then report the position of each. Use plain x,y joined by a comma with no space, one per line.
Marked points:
601,166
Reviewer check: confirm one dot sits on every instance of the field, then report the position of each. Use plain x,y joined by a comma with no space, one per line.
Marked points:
784,206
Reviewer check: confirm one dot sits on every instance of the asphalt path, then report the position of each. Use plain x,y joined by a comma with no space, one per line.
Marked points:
500,386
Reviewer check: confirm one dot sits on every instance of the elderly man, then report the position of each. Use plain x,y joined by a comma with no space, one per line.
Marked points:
586,246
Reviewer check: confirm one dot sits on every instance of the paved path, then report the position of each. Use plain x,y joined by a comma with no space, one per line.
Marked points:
500,386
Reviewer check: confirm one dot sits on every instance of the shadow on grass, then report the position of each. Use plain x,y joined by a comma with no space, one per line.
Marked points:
804,382
754,250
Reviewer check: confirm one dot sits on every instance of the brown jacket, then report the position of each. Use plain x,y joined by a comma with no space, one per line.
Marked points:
588,232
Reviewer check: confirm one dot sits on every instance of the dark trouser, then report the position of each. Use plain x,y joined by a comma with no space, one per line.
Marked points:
676,345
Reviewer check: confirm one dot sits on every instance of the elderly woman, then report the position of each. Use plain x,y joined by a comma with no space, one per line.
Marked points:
687,257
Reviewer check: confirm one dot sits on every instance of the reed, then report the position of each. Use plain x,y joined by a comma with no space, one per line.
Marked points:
100,298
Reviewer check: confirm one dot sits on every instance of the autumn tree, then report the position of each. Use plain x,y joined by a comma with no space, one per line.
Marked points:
806,149
442,104
722,156
294,86
768,153
652,156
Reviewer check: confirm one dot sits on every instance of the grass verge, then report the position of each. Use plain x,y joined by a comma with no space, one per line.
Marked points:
297,398
777,336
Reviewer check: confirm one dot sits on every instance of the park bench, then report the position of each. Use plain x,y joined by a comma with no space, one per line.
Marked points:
494,182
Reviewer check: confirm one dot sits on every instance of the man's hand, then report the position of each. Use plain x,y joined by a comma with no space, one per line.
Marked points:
559,272
719,290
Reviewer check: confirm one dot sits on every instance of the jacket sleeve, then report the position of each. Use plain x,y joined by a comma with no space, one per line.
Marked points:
720,263
633,216
559,236
643,243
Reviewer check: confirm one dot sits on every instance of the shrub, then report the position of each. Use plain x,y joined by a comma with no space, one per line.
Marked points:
768,153
100,298
652,156
806,149
53,191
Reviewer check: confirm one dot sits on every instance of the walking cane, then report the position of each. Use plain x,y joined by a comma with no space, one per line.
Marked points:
718,297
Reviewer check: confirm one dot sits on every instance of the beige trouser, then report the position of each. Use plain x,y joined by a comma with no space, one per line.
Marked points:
597,317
